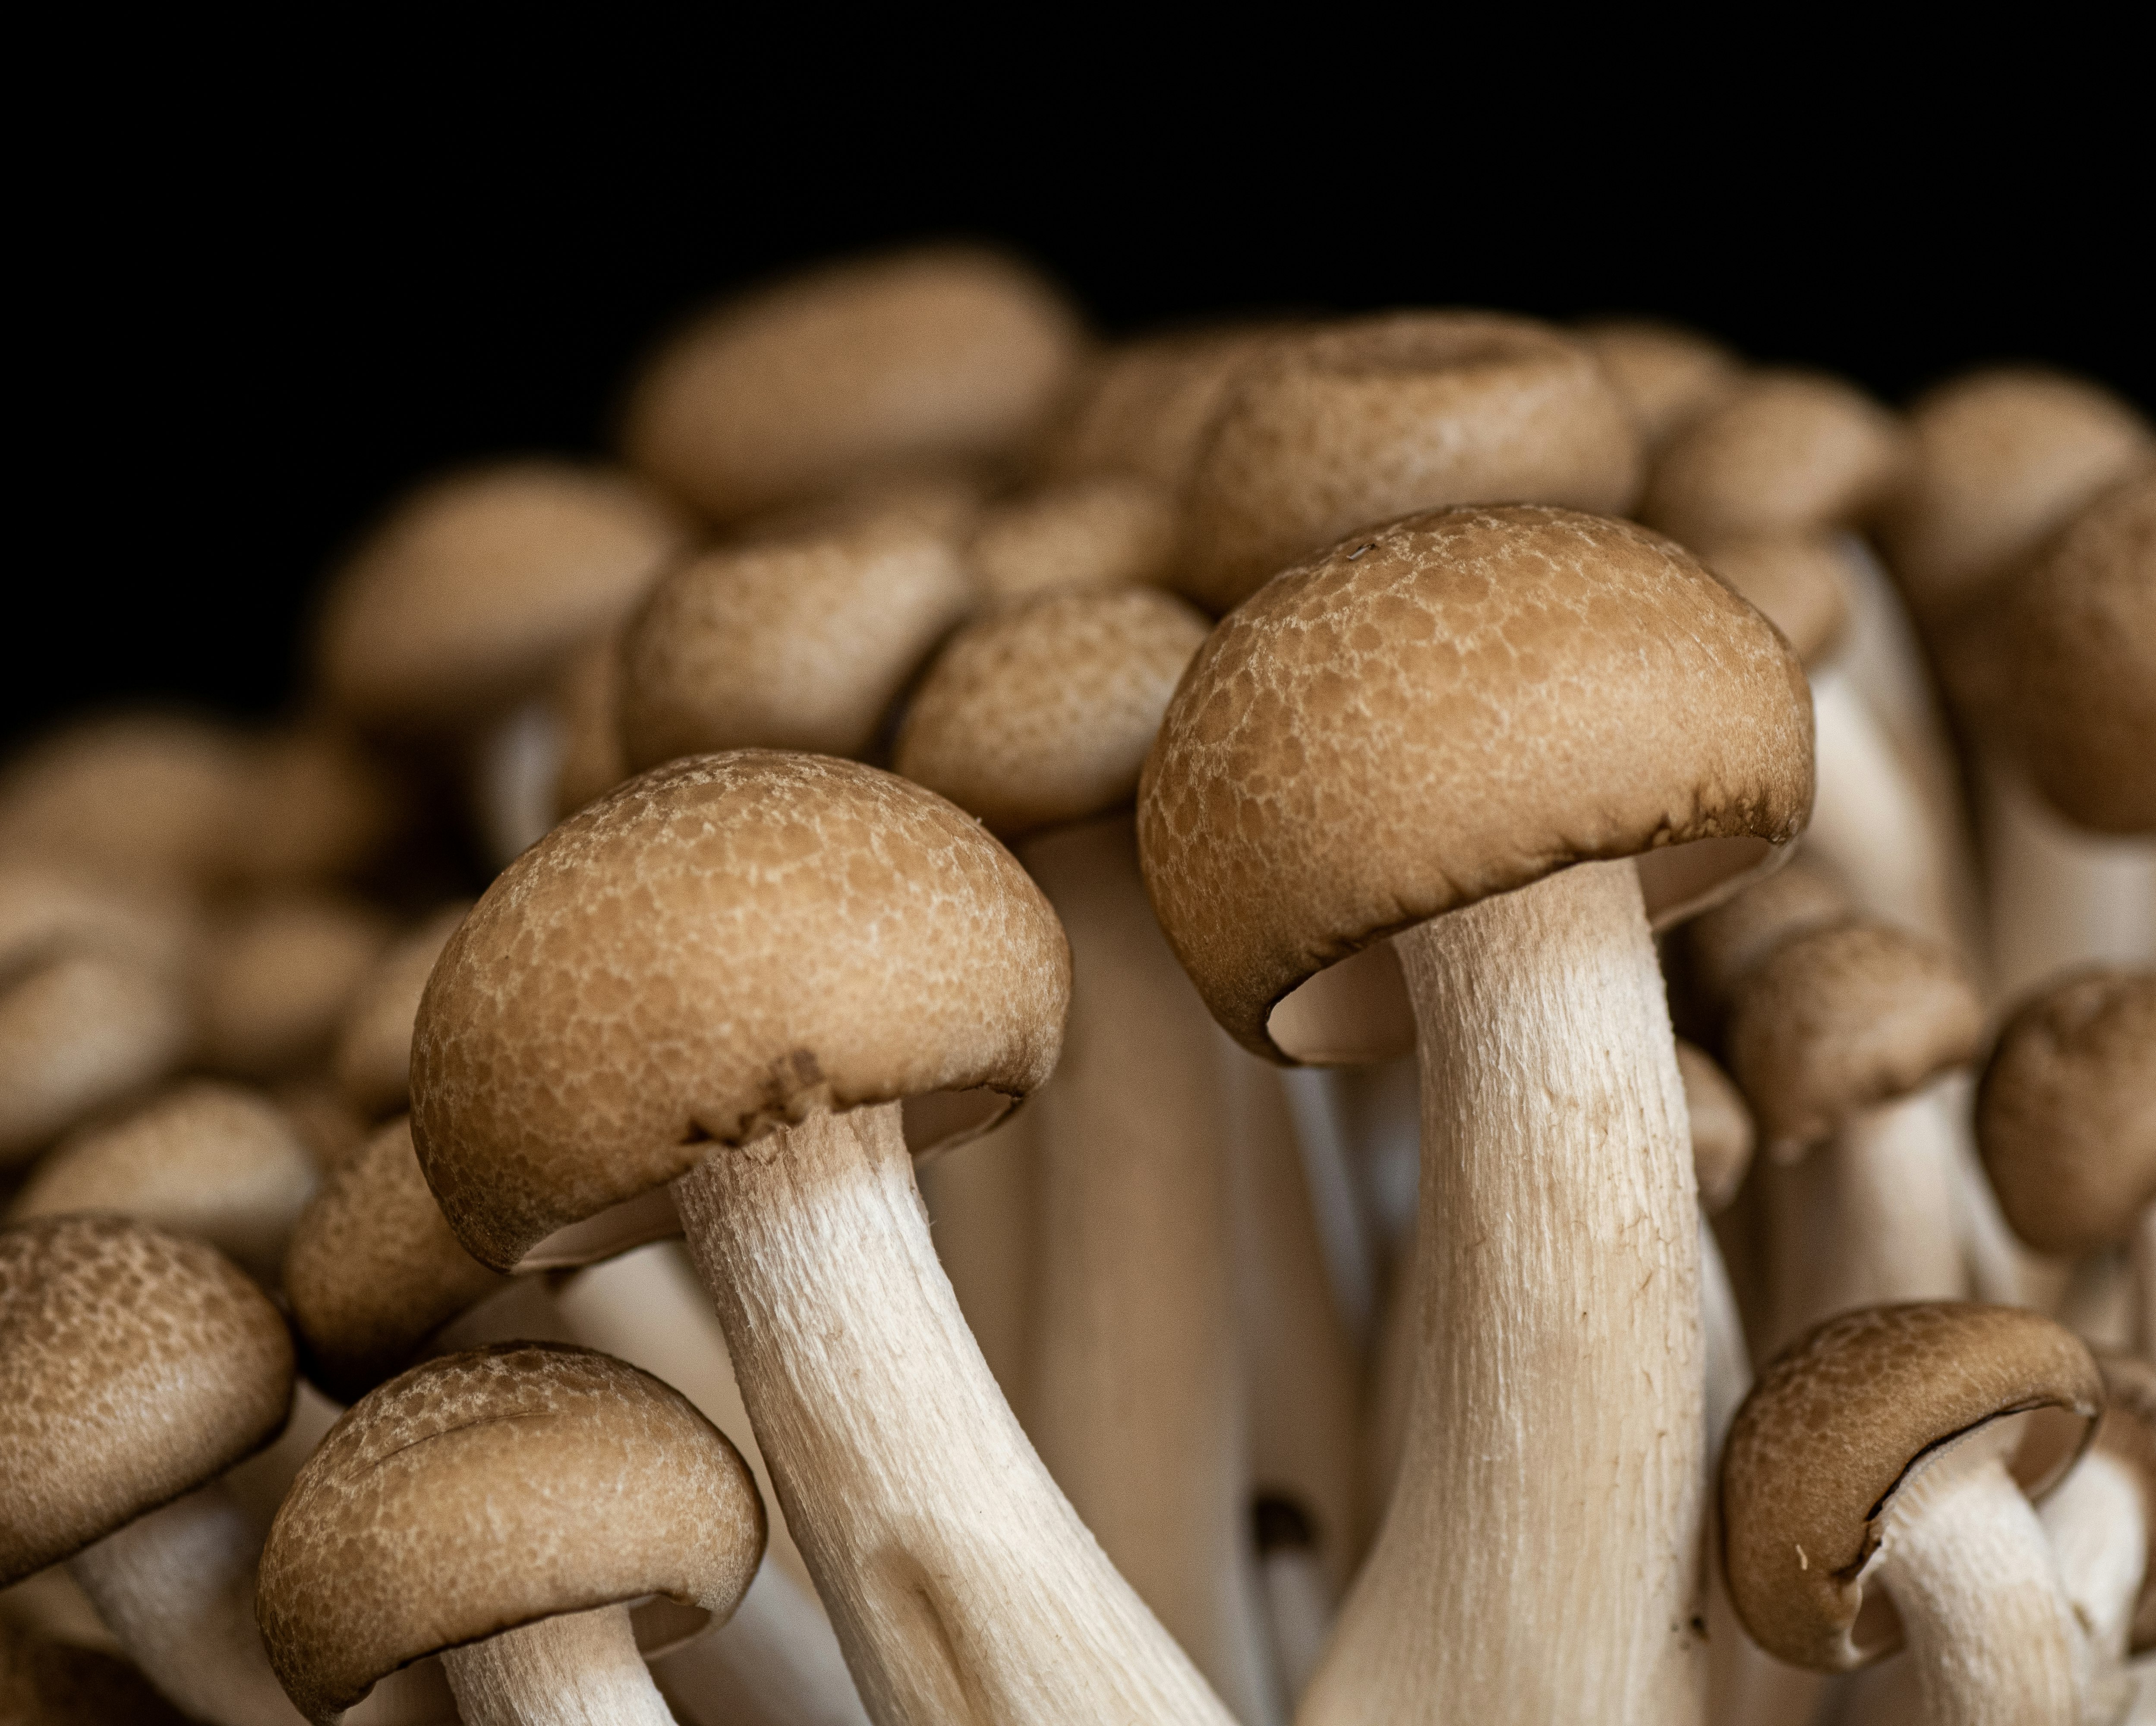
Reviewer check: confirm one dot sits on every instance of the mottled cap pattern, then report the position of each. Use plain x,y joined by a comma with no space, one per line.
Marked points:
1360,422
2065,1114
1447,708
682,964
134,1368
1043,714
492,1489
1838,1423
1841,1020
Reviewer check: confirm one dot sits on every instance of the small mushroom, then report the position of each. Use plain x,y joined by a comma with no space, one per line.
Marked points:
1667,377
372,1054
1106,531
277,974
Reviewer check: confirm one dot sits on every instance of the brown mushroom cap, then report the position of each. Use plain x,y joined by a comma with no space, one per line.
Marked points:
2128,1433
1106,531
1665,376
78,1031
1359,422
493,1489
944,353
1043,713
372,1059
1844,1418
134,1367
1790,453
1731,940
277,975
1449,707
2065,1115
800,644
1722,1134
213,1162
45,909
1842,1019
478,586
2082,683
318,807
1797,580
675,967
2003,457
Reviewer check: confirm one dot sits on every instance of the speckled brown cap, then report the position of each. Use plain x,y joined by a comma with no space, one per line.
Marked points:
1842,1018
797,645
1106,531
277,974
1797,580
2065,1115
1665,376
2128,1433
1357,423
2081,682
1789,453
681,965
373,1057
489,1490
1722,1134
80,1030
1449,707
940,353
1732,939
373,1269
134,1367
477,587
2004,458
213,1162
1043,713
1845,1418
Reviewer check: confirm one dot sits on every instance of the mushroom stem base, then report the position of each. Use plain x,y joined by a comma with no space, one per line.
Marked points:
578,1669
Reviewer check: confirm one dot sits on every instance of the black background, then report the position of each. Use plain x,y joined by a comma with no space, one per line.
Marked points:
266,283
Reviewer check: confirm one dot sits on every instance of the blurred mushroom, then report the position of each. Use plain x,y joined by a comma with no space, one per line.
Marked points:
1107,531
372,1054
1667,376
276,976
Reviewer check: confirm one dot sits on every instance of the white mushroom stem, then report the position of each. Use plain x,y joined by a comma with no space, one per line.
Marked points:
963,1585
516,764
2098,1523
1300,1603
1540,1556
578,1669
178,1587
1728,1359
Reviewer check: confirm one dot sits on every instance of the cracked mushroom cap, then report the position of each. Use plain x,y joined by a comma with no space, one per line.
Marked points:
684,963
1665,376
1043,714
794,644
1103,531
1842,1018
1796,580
1359,422
372,1058
471,593
2082,683
488,1489
1723,1135
134,1368
945,353
2065,1115
1791,452
1449,707
1844,1420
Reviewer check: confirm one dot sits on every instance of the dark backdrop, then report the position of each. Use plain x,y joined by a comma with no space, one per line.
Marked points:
263,294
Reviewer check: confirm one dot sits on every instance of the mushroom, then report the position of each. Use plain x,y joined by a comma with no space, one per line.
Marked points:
1667,376
729,975
319,806
1876,1488
504,1509
136,1368
1397,730
372,1054
1037,719
1106,531
276,975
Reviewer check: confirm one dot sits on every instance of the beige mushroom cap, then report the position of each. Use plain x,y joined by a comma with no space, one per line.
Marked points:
372,1058
1043,713
277,977
1360,422
1790,453
477,587
493,1489
687,961
1102,531
799,644
1842,1019
1844,1418
1665,376
47,909
80,1030
1733,939
2082,683
214,1162
134,1367
941,353
1723,1135
1797,580
1449,707
2004,458
2065,1115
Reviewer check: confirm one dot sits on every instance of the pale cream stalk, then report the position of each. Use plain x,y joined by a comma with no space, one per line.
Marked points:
576,1669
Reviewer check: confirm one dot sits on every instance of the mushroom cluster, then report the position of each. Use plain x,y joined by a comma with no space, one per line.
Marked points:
1573,920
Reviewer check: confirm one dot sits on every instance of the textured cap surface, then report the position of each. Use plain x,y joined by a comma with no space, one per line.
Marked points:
1666,376
795,645
134,1367
1722,1134
78,1031
475,589
1043,713
943,352
2066,1116
1836,1020
1729,941
277,975
1797,580
492,1489
1836,1427
1103,531
1789,453
1359,422
1448,707
679,965
373,1055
